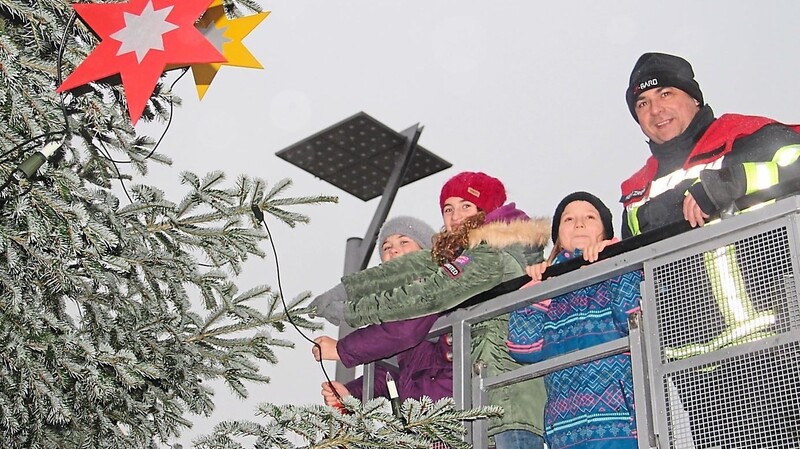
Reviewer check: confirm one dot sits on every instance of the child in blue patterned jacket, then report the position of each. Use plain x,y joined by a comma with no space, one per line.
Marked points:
589,406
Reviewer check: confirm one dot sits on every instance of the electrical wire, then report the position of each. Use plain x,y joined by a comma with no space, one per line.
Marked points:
259,214
66,132
59,75
163,133
171,108
119,175
106,154
7,183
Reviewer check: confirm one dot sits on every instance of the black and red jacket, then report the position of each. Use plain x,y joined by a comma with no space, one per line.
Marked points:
718,170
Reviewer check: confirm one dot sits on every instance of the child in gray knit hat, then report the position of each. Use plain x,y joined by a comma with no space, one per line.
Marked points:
398,236
403,234
424,368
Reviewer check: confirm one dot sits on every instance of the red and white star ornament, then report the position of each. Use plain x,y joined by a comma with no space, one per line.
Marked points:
138,40
226,35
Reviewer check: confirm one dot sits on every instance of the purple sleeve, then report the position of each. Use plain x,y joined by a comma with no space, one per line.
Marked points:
355,387
381,341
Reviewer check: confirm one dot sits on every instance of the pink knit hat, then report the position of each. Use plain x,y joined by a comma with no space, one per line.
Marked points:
486,192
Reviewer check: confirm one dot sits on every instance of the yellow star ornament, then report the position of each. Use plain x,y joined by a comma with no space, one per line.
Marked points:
226,35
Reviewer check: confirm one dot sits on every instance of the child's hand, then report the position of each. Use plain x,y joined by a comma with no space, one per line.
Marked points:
325,348
535,271
330,396
592,252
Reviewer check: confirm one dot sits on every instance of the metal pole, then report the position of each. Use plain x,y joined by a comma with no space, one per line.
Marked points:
462,373
358,251
389,193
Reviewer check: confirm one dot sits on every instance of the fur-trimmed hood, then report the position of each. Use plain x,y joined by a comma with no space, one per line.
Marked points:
501,234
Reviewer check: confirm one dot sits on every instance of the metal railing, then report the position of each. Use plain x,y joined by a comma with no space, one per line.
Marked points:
699,380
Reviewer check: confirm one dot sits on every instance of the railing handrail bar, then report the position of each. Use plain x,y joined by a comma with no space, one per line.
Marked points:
622,263
568,360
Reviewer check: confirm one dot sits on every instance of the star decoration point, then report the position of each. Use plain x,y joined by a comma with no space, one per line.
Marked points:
215,35
227,34
138,42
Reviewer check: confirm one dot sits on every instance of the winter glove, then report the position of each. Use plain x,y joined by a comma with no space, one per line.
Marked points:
718,189
330,305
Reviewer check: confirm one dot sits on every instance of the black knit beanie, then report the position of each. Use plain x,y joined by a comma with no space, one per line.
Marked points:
654,70
605,214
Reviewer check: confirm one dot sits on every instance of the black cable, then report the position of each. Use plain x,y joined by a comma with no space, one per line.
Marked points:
107,154
59,77
7,183
26,191
171,108
259,214
67,132
119,175
163,133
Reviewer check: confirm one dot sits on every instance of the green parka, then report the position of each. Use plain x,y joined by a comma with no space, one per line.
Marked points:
413,286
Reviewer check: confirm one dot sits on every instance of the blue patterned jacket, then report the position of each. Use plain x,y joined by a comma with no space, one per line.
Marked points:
589,406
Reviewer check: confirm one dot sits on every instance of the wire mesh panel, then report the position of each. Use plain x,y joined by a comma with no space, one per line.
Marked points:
727,360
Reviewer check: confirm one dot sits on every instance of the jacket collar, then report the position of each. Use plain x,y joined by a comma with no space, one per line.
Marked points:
671,155
501,234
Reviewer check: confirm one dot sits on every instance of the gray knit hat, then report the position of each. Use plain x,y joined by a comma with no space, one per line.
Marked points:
416,229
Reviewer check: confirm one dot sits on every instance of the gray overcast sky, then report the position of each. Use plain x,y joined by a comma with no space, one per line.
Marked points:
530,92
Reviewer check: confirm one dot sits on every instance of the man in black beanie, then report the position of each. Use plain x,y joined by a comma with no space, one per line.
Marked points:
700,165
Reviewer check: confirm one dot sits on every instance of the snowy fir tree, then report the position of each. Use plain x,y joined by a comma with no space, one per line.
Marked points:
114,311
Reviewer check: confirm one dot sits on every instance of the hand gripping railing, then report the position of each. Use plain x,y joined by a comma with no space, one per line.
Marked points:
470,390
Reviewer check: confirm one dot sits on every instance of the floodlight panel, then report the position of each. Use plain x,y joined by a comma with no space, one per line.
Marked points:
358,156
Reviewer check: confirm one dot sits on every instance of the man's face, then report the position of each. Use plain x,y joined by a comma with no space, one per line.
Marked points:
665,112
